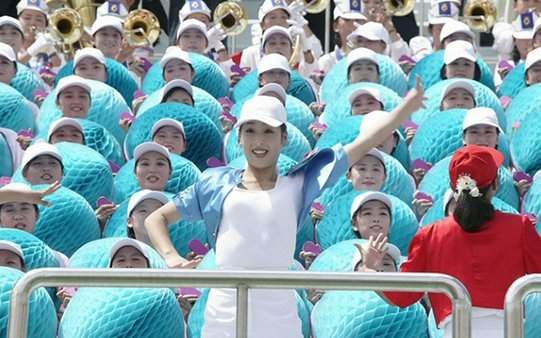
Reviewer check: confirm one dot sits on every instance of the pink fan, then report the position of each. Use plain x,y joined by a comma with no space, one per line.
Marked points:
420,164
214,162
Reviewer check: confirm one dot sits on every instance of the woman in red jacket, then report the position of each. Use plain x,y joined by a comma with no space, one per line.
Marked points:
485,249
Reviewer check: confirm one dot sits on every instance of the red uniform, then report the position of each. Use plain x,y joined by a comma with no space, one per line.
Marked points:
487,262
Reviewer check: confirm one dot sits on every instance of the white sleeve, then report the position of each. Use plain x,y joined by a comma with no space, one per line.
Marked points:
226,67
326,62
315,46
250,57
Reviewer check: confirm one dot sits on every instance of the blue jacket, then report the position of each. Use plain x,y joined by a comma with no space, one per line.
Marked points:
205,199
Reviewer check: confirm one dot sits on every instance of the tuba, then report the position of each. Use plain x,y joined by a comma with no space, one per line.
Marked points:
399,7
142,28
86,9
480,15
66,27
231,17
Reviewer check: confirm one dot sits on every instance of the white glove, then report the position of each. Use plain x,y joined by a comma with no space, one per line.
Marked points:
297,10
215,35
299,31
43,44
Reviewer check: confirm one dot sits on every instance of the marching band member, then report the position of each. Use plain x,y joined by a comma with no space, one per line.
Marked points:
11,33
374,36
108,32
441,12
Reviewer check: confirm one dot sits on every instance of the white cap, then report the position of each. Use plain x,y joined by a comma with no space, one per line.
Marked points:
70,81
193,6
8,20
192,24
374,152
39,149
274,88
12,247
349,9
63,122
273,61
37,5
167,122
144,195
373,31
146,147
7,52
359,54
524,26
455,26
532,58
442,11
276,30
420,47
463,84
480,115
107,21
124,243
269,6
88,52
367,197
374,92
536,27
174,53
16,186
178,83
112,8
459,50
266,109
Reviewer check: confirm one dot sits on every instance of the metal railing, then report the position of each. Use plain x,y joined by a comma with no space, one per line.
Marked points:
242,281
513,307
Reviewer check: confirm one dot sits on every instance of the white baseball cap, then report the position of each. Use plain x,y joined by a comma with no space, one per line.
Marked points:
480,115
367,197
36,5
349,9
373,31
7,52
193,6
532,58
442,11
39,149
167,122
175,53
374,92
143,195
9,21
359,54
275,30
127,242
63,122
463,84
374,152
536,27
274,88
107,21
454,26
266,109
271,5
16,186
459,50
420,47
273,61
177,83
146,147
112,8
70,81
89,52
192,24
12,247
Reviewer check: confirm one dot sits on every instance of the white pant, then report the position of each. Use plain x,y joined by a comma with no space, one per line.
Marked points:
486,323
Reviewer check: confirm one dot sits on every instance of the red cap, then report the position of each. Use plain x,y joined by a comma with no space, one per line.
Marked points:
478,162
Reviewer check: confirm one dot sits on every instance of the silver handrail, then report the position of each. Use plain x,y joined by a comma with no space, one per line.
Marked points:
242,281
513,309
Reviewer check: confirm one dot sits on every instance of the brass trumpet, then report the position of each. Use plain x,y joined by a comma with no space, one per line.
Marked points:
399,7
142,28
480,15
231,17
66,26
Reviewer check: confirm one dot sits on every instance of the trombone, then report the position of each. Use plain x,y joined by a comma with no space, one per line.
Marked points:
142,28
66,28
231,17
480,15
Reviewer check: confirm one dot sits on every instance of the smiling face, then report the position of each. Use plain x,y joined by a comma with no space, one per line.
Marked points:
458,98
278,44
31,19
364,104
7,70
152,171
261,143
137,218
193,40
178,69
129,257
11,36
17,215
67,134
460,68
171,138
367,174
481,135
44,169
11,260
278,76
91,69
109,41
74,102
363,71
371,219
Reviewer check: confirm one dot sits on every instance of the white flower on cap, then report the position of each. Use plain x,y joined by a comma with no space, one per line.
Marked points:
112,8
36,5
359,54
272,88
266,109
191,7
442,11
532,58
146,147
374,92
167,122
463,84
275,30
39,149
9,21
455,26
63,122
368,196
70,81
192,24
128,242
349,10
88,52
144,195
271,5
107,21
480,116
175,53
273,61
12,247
7,52
177,83
459,49
373,31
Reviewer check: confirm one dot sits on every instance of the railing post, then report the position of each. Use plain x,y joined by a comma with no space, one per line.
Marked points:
242,311
513,307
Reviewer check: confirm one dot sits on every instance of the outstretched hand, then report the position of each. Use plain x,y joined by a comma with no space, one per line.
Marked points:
373,254
415,98
37,197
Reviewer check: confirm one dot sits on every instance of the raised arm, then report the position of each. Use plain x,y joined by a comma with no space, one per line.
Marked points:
387,124
29,196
